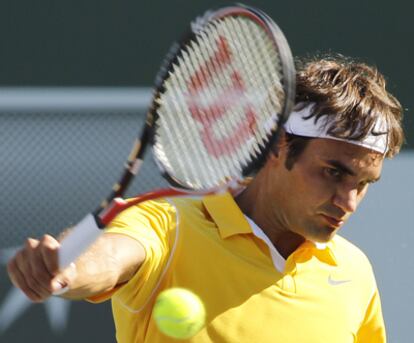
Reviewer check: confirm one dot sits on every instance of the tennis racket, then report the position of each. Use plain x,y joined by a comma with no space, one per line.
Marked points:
219,101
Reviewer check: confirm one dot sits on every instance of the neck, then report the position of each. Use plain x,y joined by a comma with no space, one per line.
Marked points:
251,204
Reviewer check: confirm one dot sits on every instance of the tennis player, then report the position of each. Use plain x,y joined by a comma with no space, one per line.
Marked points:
267,262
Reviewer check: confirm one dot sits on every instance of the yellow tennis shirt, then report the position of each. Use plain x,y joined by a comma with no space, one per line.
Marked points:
207,245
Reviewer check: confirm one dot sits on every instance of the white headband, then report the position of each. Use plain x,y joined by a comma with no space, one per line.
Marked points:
298,125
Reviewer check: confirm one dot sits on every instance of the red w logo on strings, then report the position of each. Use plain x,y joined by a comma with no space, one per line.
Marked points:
218,105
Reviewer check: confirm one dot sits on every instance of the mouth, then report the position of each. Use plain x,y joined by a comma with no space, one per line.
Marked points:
336,222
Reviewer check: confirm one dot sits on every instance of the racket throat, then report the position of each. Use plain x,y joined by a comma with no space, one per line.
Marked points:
116,206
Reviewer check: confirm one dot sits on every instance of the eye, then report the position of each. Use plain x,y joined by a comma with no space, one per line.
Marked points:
367,183
333,173
362,185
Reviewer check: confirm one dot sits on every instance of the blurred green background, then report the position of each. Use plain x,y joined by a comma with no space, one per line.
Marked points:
60,43
121,43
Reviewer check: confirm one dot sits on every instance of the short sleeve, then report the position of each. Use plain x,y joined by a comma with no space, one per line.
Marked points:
153,225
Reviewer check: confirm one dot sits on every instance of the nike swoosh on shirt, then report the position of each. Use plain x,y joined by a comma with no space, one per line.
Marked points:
333,282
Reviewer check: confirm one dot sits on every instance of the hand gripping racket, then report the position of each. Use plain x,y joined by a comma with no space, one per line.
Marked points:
219,101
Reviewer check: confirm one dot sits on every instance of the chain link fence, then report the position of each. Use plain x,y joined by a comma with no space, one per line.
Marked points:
58,160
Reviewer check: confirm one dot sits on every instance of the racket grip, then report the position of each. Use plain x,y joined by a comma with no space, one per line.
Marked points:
78,240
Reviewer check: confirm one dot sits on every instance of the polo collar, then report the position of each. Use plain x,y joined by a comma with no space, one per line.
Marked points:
226,214
308,249
231,221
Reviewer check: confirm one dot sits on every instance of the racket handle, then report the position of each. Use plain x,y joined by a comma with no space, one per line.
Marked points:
78,240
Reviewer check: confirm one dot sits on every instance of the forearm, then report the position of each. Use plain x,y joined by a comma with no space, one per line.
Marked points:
113,259
94,272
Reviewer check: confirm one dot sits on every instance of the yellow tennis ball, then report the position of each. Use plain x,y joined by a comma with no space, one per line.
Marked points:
179,313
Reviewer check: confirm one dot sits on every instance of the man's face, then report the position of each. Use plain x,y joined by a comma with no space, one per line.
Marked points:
322,190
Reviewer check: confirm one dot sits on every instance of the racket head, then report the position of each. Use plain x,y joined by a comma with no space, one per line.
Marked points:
222,95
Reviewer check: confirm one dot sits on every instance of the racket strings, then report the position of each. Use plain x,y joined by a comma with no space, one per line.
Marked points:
220,104
268,67
259,88
220,84
173,130
170,106
190,77
201,106
189,65
232,107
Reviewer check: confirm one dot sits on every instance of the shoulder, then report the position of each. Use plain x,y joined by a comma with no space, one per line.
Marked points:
155,211
342,245
347,251
353,260
164,212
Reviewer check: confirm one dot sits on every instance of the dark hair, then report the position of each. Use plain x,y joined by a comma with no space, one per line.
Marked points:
353,93
296,145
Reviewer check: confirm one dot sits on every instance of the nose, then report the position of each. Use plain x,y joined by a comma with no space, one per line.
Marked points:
346,199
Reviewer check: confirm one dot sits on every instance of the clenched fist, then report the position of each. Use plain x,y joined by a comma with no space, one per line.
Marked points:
35,270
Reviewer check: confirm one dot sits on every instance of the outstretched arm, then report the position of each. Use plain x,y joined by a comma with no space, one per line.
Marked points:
112,260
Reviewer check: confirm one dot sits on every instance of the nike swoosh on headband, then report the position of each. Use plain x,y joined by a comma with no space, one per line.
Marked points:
296,124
